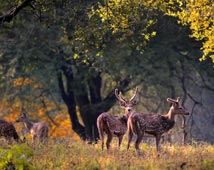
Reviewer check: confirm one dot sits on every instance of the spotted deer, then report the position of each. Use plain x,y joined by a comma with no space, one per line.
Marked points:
153,124
115,126
8,131
38,130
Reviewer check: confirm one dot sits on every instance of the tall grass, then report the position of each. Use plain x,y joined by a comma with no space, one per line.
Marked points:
72,154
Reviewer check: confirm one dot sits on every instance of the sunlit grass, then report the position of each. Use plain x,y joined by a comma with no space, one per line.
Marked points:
75,154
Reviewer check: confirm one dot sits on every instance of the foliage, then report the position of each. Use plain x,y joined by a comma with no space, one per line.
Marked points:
69,39
92,48
199,16
18,157
41,108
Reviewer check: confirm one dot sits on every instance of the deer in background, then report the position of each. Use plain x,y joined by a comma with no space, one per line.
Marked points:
37,130
153,124
8,131
115,126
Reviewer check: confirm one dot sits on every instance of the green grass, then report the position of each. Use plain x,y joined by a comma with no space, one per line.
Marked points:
77,155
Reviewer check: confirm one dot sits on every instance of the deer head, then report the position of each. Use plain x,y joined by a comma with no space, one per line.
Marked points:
22,118
176,107
128,104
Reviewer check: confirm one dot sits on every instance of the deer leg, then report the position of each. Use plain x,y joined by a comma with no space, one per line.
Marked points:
102,144
130,135
39,139
45,139
44,136
158,143
120,138
102,140
109,139
33,138
137,143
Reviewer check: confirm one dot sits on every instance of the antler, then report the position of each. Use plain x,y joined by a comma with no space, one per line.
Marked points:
135,94
172,100
178,99
119,96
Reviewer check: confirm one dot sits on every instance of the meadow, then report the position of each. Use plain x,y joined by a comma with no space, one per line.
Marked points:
70,154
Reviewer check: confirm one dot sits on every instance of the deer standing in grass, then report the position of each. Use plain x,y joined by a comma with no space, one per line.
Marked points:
153,124
8,131
115,126
38,130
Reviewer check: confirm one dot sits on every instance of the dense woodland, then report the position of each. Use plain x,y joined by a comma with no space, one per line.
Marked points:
61,60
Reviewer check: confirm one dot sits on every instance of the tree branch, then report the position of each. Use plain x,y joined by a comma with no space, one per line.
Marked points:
14,11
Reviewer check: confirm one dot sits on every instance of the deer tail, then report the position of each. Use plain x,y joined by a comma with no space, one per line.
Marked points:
103,125
100,124
133,124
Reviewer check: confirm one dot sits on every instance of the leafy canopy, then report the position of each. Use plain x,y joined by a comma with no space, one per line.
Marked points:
199,16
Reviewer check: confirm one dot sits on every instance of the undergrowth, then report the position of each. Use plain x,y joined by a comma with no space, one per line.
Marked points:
76,155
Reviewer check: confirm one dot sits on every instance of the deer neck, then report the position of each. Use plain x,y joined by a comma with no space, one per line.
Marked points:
28,124
170,115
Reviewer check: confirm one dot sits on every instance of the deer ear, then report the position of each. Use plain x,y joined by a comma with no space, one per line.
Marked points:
134,102
178,99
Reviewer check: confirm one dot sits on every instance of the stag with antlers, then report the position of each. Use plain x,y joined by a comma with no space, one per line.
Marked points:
8,131
115,126
153,124
37,130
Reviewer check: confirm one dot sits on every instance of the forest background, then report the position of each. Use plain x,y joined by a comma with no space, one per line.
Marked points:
61,60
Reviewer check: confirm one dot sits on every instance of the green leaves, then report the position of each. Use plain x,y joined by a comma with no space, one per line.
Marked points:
17,157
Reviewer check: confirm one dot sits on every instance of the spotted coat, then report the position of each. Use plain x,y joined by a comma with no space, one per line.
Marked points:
153,124
8,131
113,126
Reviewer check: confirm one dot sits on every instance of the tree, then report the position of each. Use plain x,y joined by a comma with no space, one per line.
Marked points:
14,11
77,67
83,47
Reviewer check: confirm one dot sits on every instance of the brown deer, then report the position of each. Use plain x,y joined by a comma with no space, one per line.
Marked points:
37,130
115,126
8,131
153,124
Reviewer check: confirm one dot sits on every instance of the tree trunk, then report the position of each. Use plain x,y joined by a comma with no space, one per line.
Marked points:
83,89
68,98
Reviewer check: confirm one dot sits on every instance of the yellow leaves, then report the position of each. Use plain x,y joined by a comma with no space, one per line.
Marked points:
199,16
63,128
21,81
37,86
38,112
124,18
75,56
146,37
154,33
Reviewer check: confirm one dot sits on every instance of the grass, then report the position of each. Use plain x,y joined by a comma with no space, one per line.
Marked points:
73,154
76,155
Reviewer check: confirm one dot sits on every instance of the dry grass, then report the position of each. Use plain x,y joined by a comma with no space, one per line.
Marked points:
74,154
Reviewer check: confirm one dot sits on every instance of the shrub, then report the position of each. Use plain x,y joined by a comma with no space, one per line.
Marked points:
17,157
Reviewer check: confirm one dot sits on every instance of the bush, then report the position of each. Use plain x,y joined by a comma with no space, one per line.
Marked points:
17,157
